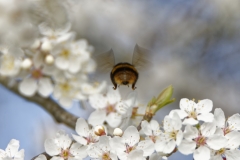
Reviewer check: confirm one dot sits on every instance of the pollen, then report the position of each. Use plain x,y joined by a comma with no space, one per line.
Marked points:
221,151
65,87
226,130
9,62
65,53
110,109
65,154
106,156
129,149
173,135
192,114
36,73
200,141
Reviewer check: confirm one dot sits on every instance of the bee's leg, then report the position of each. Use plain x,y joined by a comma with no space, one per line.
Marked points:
133,86
128,85
115,86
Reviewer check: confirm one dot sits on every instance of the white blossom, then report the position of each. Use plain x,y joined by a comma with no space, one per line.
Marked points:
11,152
192,112
86,136
172,135
54,36
107,108
200,142
231,124
9,63
29,86
102,150
230,149
61,147
128,146
71,56
152,129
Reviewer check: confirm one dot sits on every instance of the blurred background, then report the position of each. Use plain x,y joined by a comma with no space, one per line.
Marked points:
194,47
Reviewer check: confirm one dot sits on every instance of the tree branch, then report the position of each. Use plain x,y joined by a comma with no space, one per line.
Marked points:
58,113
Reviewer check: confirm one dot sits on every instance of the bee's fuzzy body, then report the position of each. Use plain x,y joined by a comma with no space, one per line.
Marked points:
124,74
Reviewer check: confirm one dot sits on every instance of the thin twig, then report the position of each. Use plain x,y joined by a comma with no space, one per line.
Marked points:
44,153
57,112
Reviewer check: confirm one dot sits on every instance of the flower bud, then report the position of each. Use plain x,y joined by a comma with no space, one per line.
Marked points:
117,132
26,63
46,46
99,130
49,59
163,99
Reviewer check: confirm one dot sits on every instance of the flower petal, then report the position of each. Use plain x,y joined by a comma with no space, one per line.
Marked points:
117,145
182,114
208,129
97,117
233,140
98,101
82,127
75,64
113,96
79,139
51,147
146,128
187,105
63,140
28,87
41,157
19,155
114,119
232,154
135,155
201,153
216,142
45,87
219,117
179,137
131,136
62,63
78,150
187,147
12,148
147,146
206,117
234,121
155,156
204,106
190,132
56,158
190,121
154,125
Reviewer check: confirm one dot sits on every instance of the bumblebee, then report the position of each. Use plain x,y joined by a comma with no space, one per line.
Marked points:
124,73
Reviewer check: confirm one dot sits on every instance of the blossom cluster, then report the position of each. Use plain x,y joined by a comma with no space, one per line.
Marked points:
55,63
192,129
42,56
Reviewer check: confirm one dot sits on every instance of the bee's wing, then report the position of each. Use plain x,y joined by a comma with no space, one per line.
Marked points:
105,61
140,58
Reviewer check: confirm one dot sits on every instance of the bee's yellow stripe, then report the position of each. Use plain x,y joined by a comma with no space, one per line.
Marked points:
123,65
